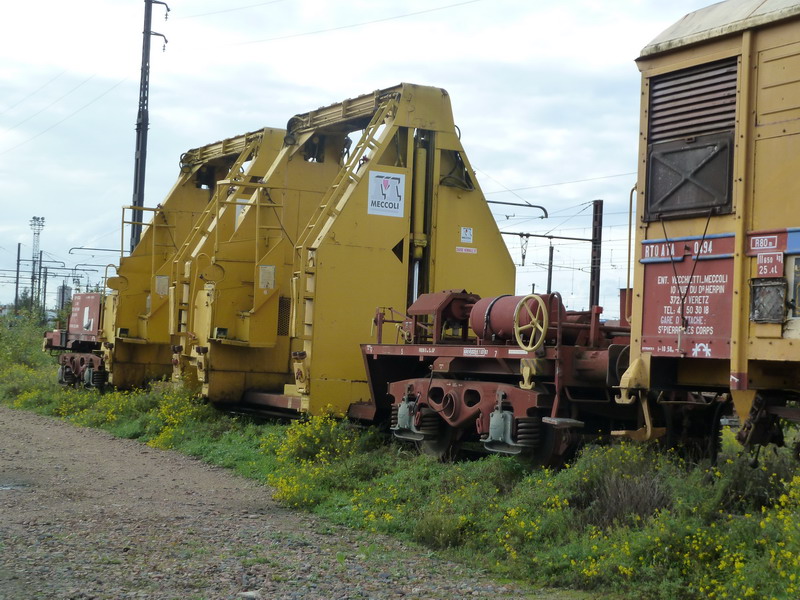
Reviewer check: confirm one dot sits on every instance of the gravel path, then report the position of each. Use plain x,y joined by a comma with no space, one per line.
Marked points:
87,515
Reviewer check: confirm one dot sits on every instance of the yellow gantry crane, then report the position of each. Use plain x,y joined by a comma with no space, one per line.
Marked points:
136,334
361,204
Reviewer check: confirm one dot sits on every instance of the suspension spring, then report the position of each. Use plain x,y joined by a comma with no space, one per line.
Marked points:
529,432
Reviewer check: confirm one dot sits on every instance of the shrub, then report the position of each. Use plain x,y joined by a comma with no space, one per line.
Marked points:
309,456
176,412
21,341
744,486
319,439
16,379
619,484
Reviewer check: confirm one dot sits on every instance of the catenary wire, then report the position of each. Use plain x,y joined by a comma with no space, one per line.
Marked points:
70,115
354,25
544,185
33,93
227,10
56,101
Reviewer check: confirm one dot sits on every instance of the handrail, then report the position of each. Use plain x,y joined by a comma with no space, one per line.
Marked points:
558,359
628,296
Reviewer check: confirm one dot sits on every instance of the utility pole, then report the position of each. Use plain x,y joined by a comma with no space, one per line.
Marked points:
597,239
44,296
143,122
16,282
39,279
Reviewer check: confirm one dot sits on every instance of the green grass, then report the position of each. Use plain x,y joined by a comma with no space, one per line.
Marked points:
621,519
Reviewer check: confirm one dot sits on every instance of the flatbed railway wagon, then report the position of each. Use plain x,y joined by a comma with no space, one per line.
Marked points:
78,344
519,375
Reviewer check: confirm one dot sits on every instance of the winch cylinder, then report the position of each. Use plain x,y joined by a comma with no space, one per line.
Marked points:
493,318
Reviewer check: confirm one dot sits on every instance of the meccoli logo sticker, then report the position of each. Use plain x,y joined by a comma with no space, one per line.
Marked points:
386,194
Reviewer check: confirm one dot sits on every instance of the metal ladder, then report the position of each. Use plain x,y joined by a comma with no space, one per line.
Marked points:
205,226
329,208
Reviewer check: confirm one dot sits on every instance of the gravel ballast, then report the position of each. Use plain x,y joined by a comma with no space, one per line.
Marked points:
86,515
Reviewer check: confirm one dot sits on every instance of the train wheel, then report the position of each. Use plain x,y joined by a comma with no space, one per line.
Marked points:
445,445
66,376
694,432
556,447
761,427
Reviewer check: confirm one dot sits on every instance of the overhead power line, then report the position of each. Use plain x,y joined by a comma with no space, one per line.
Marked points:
56,101
354,25
227,10
507,189
544,185
69,116
33,93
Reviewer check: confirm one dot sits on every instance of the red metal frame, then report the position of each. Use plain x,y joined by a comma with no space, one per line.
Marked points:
464,382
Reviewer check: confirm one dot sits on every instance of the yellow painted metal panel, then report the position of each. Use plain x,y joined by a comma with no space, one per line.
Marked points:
358,256
345,303
778,84
467,246
142,304
777,186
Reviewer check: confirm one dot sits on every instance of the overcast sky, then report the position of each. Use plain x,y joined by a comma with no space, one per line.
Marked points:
546,95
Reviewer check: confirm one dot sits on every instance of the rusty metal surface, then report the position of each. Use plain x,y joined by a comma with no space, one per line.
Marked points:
430,351
454,304
430,313
84,320
54,340
460,403
362,411
78,362
493,318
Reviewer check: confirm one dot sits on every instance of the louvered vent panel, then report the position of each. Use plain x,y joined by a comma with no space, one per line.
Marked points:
693,101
